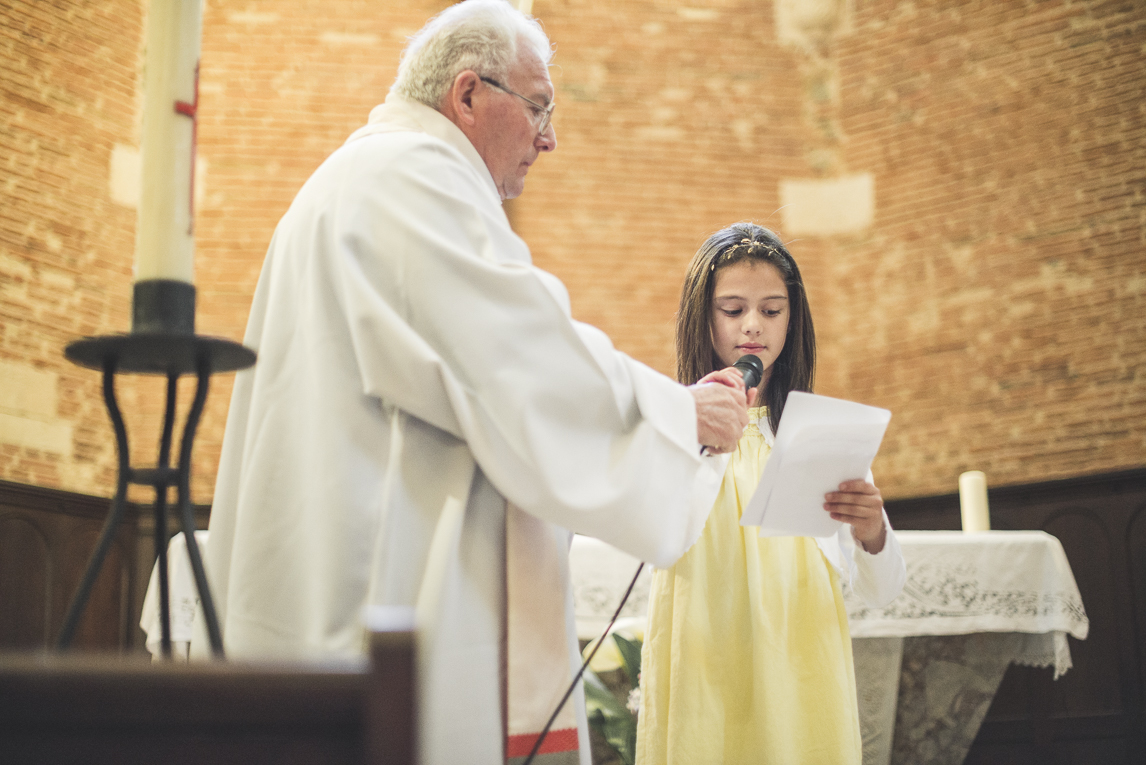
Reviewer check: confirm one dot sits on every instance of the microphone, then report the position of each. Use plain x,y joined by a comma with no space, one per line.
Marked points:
751,369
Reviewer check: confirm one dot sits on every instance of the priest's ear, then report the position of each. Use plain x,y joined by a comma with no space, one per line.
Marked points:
459,100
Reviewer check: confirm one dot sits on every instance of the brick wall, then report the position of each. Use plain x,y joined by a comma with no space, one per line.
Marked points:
997,304
964,186
996,301
1009,248
69,95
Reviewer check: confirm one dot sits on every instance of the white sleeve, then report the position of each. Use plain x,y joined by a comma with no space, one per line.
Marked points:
563,425
879,578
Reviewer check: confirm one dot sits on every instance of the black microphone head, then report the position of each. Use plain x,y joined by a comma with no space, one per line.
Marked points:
751,369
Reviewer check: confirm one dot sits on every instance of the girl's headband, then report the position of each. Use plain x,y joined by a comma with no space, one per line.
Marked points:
747,246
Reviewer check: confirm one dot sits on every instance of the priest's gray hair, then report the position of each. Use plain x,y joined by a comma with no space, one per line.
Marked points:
481,35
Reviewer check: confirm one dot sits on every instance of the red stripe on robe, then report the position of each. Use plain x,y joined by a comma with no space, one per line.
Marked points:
564,740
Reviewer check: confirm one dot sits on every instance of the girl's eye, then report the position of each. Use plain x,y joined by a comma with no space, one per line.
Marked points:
731,311
772,312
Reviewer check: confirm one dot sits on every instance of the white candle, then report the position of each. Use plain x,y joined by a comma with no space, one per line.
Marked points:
973,501
164,241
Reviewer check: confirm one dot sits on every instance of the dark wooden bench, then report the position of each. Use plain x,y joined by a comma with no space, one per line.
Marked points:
76,708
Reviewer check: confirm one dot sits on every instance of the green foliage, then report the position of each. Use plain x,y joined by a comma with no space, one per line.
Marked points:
611,718
631,658
607,713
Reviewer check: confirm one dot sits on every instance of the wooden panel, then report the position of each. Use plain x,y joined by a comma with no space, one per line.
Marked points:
1094,684
104,621
25,583
46,539
1095,713
1136,557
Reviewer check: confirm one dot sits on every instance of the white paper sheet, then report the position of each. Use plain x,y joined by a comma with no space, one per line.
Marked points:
820,443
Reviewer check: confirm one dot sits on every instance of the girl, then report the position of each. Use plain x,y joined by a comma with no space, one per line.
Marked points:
747,657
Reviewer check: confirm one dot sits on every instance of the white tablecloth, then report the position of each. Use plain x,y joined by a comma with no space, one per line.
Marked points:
997,581
601,574
957,584
183,598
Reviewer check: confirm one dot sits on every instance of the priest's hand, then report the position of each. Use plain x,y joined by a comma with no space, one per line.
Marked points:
721,409
860,504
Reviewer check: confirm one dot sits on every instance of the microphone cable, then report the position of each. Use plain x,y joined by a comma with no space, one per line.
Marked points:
545,731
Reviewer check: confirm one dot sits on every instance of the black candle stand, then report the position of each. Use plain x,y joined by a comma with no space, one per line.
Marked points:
172,354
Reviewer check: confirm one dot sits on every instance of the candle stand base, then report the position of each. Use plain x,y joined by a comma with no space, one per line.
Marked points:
172,354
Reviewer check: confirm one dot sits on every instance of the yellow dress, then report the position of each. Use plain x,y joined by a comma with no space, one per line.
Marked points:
747,657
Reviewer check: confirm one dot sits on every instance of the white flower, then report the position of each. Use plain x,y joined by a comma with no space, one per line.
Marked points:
634,704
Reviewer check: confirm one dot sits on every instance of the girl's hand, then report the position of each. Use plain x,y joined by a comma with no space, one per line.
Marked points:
859,503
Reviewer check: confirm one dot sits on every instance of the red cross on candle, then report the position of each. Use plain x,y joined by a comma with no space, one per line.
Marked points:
192,110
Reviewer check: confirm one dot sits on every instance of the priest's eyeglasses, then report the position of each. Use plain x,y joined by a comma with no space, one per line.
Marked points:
544,113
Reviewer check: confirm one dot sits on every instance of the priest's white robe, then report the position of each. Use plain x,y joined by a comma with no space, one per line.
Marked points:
415,372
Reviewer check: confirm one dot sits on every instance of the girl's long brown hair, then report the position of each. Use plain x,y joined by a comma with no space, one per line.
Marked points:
795,367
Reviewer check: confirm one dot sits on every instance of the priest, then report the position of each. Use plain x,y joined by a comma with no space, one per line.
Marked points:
426,425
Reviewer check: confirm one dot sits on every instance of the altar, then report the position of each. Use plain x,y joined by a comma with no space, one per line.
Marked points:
927,665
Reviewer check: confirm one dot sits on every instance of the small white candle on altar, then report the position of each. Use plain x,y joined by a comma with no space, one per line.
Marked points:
973,501
164,241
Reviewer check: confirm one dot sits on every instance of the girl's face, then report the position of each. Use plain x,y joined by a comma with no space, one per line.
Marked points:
749,313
